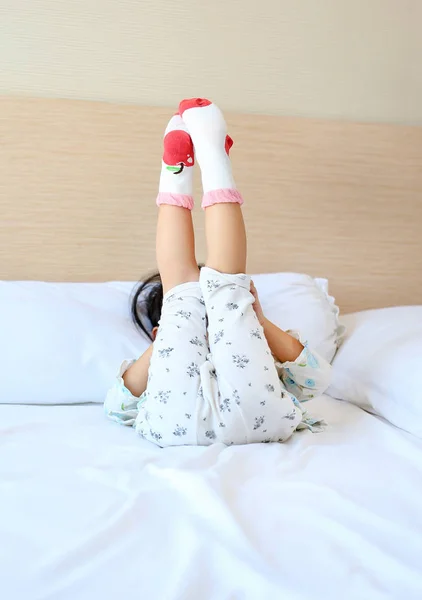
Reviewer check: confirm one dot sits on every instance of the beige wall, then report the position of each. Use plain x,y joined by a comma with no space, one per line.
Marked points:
354,59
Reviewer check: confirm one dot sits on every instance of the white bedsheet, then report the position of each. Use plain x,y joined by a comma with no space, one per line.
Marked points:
90,511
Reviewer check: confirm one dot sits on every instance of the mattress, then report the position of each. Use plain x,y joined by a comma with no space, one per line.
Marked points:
89,510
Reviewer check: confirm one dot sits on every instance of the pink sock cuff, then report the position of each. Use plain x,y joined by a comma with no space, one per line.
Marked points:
182,200
222,196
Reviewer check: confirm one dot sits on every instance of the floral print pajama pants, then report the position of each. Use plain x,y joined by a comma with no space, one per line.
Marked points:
212,377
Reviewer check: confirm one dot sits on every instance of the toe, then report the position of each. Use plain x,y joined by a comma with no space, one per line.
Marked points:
193,103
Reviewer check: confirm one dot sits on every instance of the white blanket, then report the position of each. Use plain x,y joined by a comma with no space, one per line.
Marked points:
90,511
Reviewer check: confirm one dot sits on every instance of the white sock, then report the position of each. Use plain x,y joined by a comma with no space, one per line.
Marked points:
177,166
208,130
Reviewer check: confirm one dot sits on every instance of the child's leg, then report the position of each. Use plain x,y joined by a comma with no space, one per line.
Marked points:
252,407
175,237
226,238
225,229
175,247
168,415
171,410
251,404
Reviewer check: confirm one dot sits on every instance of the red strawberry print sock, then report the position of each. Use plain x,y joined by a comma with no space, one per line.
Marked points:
177,166
208,130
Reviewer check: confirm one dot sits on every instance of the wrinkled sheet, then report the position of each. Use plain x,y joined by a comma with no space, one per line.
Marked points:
88,510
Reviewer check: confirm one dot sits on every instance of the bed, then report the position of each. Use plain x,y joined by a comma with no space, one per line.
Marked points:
87,509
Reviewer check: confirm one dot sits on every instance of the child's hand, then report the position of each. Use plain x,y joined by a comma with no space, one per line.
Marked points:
257,305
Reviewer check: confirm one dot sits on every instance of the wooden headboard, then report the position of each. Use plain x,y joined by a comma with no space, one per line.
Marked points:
78,182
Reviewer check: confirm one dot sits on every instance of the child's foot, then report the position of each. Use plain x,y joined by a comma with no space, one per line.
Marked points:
208,130
177,166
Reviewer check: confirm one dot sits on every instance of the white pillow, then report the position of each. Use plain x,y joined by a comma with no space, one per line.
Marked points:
62,343
299,302
377,367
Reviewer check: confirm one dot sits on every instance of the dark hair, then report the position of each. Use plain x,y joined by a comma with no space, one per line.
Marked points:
146,303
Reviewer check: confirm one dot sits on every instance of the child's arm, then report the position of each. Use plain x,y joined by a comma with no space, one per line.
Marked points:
136,377
282,345
307,376
122,400
302,372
